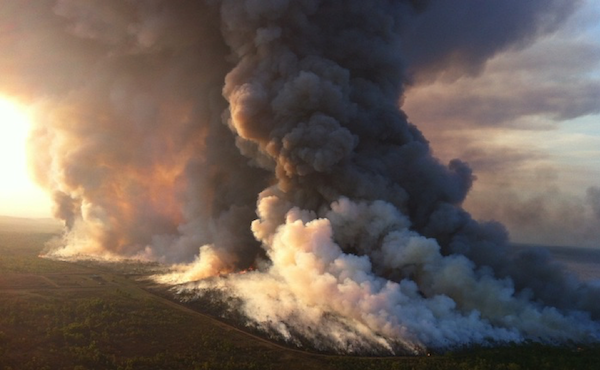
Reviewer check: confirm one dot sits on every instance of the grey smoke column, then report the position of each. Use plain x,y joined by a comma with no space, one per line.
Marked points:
315,94
314,98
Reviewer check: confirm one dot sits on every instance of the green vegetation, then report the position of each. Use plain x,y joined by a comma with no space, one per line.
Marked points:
19,252
58,315
110,331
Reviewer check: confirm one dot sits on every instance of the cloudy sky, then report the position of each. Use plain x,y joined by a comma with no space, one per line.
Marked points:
529,125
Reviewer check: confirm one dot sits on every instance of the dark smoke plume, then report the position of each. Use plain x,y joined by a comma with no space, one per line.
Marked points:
220,135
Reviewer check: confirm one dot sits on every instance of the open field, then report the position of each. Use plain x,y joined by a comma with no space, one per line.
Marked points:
59,315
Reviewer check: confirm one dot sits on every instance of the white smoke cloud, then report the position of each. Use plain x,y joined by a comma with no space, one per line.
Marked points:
337,300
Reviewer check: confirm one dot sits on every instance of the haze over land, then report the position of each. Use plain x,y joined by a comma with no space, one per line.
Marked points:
222,136
35,225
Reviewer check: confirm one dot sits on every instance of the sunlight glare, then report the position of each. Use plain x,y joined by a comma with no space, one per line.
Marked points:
19,196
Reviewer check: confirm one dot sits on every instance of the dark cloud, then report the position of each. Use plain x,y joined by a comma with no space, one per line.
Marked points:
516,90
450,39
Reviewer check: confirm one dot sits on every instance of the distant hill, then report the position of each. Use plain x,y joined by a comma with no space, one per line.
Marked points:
29,225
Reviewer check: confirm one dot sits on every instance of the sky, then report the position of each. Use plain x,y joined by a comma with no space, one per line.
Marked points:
528,123
20,196
529,126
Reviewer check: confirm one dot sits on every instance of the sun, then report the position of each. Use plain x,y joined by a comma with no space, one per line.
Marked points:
19,196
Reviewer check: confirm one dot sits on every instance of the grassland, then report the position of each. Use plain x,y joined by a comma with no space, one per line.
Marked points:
58,315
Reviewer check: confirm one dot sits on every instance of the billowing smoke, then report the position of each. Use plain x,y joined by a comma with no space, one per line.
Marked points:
221,135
